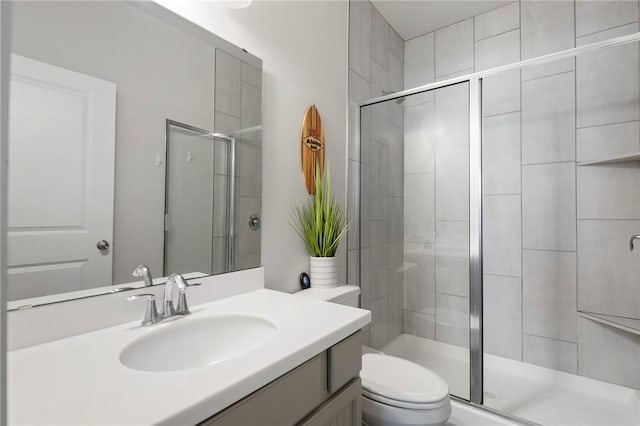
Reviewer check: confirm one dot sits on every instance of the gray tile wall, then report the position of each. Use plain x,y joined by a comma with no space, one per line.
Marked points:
555,231
375,198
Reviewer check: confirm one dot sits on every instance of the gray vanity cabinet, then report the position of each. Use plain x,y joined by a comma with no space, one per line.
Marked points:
325,390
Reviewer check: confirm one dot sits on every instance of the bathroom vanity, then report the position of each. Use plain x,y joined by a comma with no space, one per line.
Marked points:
262,357
324,389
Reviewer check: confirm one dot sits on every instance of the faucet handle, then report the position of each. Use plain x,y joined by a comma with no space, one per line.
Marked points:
151,312
183,307
631,240
145,272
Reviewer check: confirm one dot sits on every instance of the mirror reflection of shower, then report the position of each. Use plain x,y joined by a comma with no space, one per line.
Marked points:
199,208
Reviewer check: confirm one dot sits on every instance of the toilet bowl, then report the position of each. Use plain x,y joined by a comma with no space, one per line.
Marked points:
395,392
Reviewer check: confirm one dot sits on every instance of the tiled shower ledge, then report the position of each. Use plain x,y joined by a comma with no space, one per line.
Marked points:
609,320
627,158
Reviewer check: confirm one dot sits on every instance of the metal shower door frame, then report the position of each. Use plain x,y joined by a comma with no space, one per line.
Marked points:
231,167
476,352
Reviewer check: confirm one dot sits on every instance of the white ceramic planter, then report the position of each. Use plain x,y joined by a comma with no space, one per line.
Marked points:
323,271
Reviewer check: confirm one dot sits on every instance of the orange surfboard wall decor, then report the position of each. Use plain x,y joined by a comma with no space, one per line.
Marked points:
311,147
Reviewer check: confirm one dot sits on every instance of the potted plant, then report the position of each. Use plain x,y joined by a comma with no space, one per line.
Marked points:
321,224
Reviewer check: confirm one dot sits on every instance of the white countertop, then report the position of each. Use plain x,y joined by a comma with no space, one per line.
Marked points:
80,380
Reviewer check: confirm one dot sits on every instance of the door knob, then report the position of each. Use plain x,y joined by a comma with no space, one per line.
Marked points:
102,245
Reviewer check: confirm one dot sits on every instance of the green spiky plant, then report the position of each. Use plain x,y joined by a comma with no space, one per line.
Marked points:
321,223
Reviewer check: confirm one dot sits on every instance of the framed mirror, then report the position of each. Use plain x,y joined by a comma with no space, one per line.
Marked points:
134,138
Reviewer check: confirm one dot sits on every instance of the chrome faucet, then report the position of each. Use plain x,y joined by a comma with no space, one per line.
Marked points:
168,307
145,272
151,315
631,240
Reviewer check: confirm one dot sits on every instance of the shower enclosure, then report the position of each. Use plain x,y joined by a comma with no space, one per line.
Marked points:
495,215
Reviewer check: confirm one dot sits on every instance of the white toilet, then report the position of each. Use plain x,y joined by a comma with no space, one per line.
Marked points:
395,392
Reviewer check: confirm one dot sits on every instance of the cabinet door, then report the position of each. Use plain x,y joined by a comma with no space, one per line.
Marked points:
343,409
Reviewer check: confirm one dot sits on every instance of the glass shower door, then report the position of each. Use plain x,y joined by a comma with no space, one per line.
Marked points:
415,227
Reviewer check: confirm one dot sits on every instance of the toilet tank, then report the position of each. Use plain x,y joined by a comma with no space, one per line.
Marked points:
344,294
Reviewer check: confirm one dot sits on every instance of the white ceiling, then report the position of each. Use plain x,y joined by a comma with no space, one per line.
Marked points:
412,18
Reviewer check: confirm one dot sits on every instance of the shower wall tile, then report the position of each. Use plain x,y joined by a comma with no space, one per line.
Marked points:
251,106
419,324
452,115
396,161
220,185
228,72
379,39
353,272
608,354
550,353
379,81
607,80
360,18
419,207
396,84
379,181
502,300
593,16
419,61
396,224
250,170
499,50
607,271
218,264
420,138
420,278
379,129
365,205
365,278
607,141
379,258
548,119
547,26
501,154
452,183
359,90
248,239
502,235
454,48
353,234
548,207
247,260
609,191
549,294
500,93
379,327
396,254
497,21
452,319
223,124
395,303
396,44
452,257
251,75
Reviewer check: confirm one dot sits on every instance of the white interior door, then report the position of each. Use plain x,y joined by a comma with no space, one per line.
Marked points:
61,177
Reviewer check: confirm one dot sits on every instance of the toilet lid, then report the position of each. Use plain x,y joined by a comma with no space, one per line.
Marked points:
401,380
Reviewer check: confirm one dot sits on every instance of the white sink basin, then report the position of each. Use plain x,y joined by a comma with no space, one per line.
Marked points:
197,342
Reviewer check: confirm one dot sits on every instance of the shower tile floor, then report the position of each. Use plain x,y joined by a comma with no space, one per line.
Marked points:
533,393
